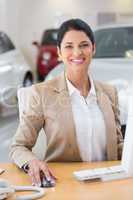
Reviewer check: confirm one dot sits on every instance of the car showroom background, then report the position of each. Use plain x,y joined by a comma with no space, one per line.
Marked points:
24,23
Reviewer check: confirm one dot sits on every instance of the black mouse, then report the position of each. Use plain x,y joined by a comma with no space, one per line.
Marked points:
47,183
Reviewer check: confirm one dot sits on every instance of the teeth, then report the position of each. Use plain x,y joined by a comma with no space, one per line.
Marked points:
77,61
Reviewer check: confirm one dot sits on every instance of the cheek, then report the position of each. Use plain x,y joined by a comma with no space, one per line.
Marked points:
89,52
66,55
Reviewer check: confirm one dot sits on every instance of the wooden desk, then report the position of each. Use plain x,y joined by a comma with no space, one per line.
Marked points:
68,188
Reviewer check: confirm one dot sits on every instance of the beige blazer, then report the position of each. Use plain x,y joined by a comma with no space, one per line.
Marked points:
50,108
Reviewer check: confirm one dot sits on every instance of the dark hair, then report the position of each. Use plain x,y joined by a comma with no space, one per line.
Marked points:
74,24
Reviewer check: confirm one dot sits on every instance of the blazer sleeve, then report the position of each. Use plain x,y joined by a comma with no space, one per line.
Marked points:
113,96
118,126
32,120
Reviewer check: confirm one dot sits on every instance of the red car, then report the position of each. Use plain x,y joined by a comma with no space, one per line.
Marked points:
47,57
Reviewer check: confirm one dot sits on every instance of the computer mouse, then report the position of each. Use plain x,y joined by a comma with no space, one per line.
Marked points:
47,183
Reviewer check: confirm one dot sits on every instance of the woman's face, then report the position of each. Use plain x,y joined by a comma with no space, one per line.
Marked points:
76,51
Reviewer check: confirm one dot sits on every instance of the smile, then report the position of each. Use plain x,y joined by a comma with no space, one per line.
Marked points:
77,61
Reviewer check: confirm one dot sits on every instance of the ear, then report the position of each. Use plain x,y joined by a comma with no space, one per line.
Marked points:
94,49
59,54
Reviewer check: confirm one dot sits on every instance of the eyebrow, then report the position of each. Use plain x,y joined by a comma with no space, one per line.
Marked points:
84,41
68,43
80,42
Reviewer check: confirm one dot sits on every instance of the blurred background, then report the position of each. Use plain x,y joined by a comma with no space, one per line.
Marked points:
28,54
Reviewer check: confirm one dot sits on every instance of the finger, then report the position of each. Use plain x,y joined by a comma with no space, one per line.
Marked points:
37,178
34,173
45,170
51,174
31,175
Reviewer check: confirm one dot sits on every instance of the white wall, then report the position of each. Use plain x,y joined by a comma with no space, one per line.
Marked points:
25,20
3,19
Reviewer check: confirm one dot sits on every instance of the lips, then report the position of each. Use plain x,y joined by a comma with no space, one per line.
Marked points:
77,61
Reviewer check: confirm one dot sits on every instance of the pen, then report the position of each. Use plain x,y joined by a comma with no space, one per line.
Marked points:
2,171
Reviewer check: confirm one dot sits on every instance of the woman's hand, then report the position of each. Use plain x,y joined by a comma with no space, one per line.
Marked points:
36,169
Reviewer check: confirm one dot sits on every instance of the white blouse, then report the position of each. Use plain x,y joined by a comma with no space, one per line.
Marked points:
89,124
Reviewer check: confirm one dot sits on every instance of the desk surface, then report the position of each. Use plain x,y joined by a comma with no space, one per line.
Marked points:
68,188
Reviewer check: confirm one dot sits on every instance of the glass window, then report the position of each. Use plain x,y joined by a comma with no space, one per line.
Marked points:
49,37
113,42
5,43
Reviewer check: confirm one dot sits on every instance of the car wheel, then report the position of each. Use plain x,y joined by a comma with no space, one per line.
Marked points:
28,80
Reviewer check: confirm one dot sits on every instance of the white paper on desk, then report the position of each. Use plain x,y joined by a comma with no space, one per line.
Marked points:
127,156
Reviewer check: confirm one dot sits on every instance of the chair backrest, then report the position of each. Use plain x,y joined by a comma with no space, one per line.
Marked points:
127,156
23,96
123,97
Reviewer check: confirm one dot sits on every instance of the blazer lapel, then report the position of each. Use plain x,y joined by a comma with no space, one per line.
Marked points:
105,105
65,102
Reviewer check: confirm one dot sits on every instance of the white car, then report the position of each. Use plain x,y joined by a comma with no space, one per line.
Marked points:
14,73
113,61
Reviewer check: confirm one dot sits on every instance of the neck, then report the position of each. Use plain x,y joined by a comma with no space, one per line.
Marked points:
81,82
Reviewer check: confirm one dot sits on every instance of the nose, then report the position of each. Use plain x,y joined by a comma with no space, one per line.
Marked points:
77,51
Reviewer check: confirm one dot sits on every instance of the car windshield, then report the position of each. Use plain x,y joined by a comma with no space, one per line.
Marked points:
49,37
114,42
5,43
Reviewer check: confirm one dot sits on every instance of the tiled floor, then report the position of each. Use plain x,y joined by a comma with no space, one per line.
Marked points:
8,126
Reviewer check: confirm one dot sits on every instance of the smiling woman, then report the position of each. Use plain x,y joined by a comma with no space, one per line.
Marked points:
76,52
79,115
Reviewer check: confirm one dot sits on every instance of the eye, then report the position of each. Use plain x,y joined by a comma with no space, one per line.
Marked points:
84,45
68,47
